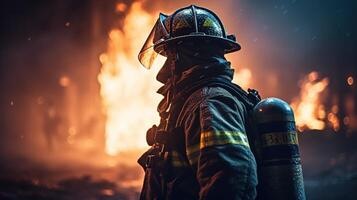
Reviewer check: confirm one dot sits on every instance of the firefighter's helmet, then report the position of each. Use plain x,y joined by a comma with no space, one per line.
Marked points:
185,24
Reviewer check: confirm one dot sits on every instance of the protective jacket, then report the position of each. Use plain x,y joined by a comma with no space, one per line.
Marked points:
209,155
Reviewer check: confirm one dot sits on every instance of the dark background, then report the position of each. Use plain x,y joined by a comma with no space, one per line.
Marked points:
44,40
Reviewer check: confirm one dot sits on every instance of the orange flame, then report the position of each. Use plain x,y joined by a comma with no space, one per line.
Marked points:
127,90
309,111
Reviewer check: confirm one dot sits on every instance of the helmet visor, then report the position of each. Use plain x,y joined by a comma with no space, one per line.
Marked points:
149,56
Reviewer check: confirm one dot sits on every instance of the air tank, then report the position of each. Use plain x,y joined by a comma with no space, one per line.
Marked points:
279,164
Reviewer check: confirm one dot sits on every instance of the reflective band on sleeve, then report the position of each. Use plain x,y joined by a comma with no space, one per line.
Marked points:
193,153
279,138
177,160
212,138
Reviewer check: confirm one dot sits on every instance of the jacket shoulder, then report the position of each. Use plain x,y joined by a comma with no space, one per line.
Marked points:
204,94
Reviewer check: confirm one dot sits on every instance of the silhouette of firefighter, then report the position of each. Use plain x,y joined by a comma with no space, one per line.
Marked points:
204,146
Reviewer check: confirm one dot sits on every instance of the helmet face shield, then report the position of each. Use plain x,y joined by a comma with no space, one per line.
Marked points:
149,55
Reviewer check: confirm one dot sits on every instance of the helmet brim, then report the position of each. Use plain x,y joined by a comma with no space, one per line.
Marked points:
228,45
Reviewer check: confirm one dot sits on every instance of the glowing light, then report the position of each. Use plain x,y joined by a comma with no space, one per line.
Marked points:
321,113
334,109
35,181
350,80
121,7
64,81
334,121
107,192
128,91
309,111
346,120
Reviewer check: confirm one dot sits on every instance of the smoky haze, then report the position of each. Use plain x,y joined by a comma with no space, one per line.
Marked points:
52,130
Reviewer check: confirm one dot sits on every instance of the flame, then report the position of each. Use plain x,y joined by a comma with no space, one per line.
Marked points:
309,111
128,91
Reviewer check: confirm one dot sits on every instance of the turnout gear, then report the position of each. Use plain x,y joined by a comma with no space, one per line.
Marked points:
207,148
280,172
188,23
205,144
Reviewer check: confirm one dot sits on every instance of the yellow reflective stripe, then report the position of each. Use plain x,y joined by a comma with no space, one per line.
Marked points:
193,153
279,138
192,149
177,160
212,138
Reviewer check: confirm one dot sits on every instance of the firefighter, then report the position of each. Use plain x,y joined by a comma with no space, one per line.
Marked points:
200,149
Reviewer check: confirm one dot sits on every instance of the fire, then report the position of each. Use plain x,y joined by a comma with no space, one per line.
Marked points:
128,91
309,111
333,119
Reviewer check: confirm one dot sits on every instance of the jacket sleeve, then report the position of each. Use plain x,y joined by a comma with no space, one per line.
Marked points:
218,150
